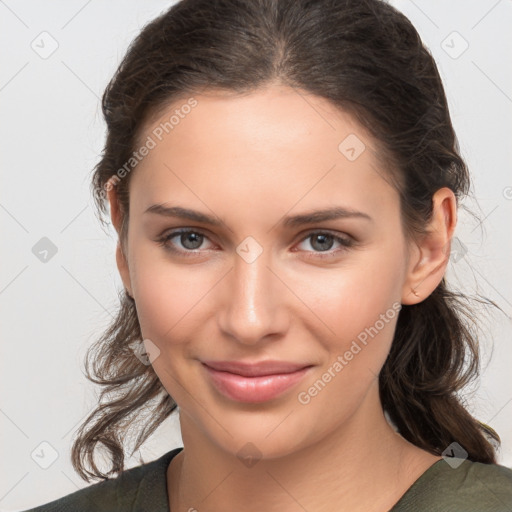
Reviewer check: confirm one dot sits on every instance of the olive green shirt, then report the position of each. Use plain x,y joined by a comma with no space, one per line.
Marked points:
470,487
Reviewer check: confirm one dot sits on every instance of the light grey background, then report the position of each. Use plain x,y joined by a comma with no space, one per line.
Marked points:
51,135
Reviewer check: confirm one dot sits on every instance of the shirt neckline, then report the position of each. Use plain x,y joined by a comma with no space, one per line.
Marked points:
153,485
431,472
158,486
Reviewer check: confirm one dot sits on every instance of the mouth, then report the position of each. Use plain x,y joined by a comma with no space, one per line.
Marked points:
254,383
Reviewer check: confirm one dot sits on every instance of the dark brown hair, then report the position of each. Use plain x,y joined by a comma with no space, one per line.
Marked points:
367,59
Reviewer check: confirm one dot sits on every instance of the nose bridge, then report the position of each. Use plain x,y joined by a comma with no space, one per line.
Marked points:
253,308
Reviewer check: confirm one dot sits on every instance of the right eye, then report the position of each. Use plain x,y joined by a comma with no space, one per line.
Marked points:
190,240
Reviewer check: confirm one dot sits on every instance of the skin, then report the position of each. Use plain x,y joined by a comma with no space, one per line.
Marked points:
250,160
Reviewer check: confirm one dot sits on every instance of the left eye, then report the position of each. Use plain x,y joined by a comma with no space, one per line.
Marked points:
192,240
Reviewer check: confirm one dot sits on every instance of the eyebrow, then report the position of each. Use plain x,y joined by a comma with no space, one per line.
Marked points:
288,221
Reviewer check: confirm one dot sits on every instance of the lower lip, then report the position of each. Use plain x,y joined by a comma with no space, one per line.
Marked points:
253,389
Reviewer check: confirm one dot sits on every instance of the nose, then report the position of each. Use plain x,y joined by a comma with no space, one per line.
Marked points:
253,304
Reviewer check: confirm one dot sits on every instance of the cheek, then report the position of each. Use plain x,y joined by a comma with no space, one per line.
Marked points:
360,305
364,326
351,298
168,296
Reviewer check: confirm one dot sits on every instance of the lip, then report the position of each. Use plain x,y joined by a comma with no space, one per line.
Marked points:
254,382
255,369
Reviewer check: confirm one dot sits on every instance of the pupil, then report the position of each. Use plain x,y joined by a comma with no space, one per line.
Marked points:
194,238
323,239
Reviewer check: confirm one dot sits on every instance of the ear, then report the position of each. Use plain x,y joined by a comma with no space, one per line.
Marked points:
430,254
117,217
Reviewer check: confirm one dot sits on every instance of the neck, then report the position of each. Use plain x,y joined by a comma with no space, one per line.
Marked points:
362,466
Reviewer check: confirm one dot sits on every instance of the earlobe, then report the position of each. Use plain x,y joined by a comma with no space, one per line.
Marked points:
431,253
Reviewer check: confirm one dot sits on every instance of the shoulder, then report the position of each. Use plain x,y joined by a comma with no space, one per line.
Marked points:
485,484
466,487
127,491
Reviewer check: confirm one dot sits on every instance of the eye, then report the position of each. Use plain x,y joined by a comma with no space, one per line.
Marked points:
322,242
191,240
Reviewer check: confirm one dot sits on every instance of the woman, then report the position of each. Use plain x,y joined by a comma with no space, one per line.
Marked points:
284,177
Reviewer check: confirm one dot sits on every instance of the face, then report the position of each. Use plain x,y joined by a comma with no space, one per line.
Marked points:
263,282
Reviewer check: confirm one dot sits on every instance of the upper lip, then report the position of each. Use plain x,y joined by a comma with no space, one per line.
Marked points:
255,369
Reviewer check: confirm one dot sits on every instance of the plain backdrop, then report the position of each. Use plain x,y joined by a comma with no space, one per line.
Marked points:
56,60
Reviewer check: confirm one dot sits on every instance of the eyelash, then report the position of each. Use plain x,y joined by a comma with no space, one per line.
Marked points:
346,243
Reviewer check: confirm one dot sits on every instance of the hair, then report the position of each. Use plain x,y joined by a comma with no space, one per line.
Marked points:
368,60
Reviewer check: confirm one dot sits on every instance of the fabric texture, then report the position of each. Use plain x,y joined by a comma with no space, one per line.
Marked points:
469,487
139,489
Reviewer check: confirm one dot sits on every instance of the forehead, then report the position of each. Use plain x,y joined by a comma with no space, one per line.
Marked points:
273,145
277,115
